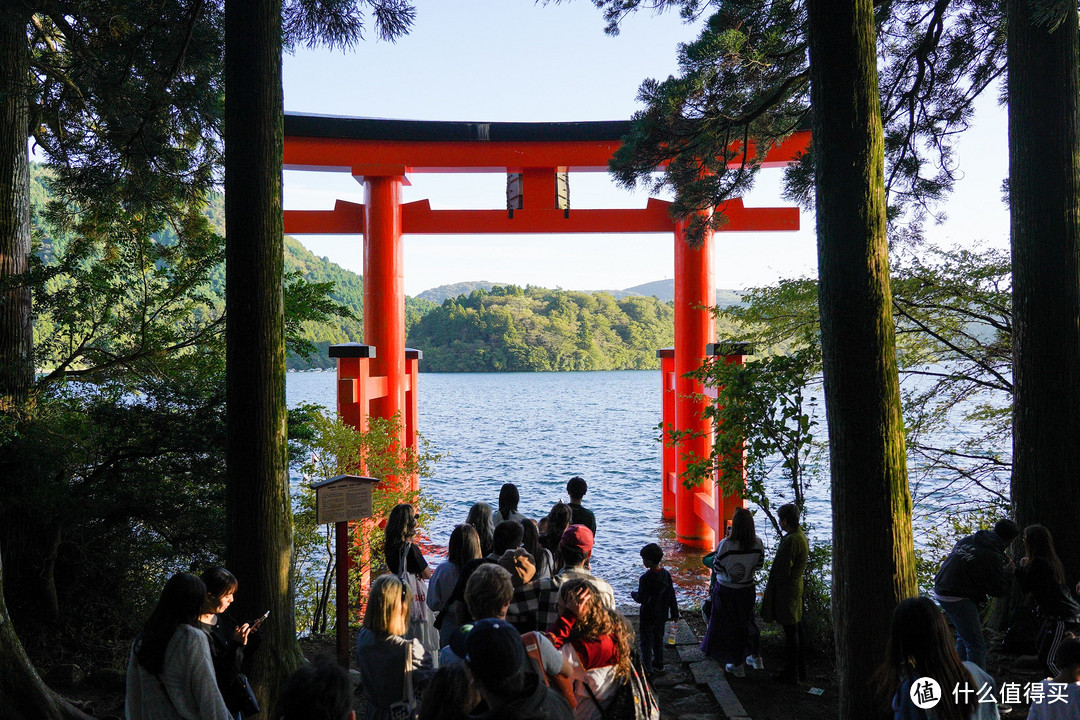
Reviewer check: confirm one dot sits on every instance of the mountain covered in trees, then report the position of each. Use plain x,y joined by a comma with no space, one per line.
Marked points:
510,328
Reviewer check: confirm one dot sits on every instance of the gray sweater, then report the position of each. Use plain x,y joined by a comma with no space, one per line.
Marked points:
186,688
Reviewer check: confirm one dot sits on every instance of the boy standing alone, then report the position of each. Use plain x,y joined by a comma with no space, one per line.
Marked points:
656,593
576,488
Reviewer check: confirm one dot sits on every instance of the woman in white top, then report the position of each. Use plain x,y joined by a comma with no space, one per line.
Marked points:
170,673
508,504
733,636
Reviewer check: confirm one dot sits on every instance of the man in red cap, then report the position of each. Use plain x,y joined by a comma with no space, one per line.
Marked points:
535,605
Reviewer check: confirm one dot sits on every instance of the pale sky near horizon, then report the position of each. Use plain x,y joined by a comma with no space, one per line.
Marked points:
513,60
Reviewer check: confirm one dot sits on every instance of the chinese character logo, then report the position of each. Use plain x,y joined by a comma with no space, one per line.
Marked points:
925,693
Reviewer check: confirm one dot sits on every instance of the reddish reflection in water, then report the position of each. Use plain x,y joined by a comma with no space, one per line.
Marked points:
690,576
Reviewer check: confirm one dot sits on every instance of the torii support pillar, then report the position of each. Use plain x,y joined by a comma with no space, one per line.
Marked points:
694,330
384,296
667,462
354,388
718,509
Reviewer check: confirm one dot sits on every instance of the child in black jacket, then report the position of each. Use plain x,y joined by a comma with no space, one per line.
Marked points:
656,593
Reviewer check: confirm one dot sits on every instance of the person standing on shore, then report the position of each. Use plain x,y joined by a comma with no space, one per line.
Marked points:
782,601
576,488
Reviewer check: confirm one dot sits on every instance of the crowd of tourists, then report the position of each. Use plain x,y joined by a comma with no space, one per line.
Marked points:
920,644
514,624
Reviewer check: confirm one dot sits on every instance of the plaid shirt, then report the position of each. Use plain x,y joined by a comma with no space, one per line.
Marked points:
535,605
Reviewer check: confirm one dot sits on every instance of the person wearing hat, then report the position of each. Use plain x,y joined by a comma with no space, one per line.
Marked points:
496,660
535,605
488,596
576,549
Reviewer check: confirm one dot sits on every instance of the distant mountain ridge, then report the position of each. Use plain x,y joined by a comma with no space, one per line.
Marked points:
663,290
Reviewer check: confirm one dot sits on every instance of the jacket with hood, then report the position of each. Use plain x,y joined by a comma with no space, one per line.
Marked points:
974,569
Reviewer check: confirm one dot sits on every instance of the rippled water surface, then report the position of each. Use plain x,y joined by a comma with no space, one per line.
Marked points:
537,430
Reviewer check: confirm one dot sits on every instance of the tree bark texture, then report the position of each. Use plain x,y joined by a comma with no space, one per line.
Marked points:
873,551
1044,202
16,330
23,696
258,509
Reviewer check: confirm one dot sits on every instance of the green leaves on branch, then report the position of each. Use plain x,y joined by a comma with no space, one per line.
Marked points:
765,428
323,447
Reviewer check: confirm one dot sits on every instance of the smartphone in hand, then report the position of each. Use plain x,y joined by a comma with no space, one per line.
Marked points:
255,625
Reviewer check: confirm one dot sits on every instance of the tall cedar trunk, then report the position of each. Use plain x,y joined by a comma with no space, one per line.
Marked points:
258,532
873,553
16,331
22,693
1044,155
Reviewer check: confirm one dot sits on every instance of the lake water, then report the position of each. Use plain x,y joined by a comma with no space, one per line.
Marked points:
537,430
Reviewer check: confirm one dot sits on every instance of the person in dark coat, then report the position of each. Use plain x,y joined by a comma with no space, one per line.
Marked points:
1041,574
976,567
782,600
656,593
576,487
496,660
232,645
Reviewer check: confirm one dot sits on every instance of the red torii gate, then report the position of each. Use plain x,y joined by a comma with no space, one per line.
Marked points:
382,153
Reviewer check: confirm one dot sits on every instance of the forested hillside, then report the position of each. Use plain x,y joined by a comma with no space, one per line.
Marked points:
516,329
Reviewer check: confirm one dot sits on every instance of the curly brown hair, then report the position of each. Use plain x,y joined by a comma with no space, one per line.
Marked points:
595,620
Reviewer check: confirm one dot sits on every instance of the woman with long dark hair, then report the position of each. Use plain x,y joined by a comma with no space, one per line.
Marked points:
231,645
558,520
464,546
170,671
545,562
480,518
732,637
508,504
1041,574
921,646
404,559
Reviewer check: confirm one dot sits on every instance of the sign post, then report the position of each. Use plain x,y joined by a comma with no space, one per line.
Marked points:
339,500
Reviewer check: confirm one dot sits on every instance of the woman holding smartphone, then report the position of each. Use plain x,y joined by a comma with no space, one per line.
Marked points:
170,672
231,645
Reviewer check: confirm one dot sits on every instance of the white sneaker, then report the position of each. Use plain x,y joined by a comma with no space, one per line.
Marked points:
736,670
755,662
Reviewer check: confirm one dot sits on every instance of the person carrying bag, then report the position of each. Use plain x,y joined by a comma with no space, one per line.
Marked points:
405,560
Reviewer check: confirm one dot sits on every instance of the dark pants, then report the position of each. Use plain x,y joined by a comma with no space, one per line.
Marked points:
732,633
651,642
1051,634
794,657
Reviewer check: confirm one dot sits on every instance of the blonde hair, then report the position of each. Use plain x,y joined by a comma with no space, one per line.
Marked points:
388,606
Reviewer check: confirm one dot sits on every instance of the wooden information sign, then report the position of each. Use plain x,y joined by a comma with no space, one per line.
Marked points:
343,498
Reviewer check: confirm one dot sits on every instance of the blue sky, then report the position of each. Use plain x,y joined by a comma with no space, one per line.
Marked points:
513,60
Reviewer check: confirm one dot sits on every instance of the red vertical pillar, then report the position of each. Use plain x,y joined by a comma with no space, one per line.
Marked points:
352,405
412,406
667,462
694,330
384,293
732,354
